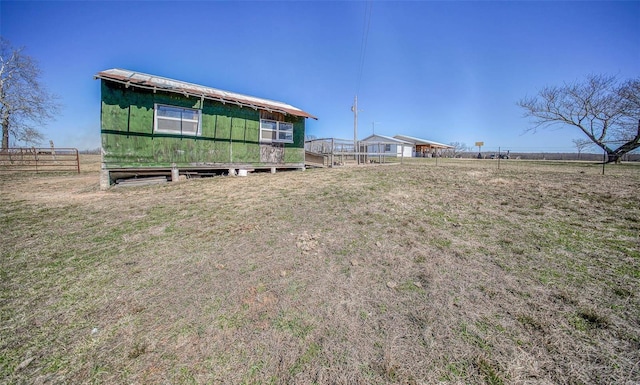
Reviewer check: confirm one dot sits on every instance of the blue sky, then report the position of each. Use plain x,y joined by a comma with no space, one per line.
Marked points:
447,71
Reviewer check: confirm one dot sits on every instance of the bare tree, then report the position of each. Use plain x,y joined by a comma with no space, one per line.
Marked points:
457,149
581,145
606,111
25,104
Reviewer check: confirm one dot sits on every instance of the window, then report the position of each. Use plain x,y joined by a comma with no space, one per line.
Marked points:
274,129
387,148
177,120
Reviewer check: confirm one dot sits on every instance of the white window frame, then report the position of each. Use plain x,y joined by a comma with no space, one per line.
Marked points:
283,131
157,116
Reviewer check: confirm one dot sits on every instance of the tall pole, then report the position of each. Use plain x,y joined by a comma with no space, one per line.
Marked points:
355,128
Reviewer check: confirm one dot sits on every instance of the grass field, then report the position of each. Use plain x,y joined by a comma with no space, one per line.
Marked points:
417,273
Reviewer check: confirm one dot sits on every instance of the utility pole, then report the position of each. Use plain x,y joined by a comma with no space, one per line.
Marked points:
373,125
354,108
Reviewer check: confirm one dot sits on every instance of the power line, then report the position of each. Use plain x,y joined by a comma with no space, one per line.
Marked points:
363,49
363,44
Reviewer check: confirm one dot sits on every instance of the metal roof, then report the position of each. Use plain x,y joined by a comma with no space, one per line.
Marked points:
375,137
152,82
421,141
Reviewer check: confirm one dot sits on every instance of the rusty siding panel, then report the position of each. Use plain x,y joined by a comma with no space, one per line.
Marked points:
151,82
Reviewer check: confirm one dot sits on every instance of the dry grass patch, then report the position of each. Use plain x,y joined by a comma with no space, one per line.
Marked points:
415,273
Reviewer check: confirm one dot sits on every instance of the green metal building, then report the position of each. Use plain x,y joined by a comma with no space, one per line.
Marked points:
154,125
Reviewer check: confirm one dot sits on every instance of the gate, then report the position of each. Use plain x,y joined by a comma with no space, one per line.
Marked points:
39,160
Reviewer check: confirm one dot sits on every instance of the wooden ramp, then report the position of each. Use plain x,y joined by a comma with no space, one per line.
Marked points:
313,159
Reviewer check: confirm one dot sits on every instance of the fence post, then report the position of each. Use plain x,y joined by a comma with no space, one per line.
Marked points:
356,151
53,150
35,156
333,146
32,159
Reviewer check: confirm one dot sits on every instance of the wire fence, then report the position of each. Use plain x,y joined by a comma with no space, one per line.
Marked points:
542,155
345,149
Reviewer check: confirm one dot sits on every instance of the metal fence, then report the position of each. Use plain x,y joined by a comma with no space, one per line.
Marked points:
39,160
341,151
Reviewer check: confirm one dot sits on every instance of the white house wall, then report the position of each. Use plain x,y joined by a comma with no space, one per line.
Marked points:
396,150
399,149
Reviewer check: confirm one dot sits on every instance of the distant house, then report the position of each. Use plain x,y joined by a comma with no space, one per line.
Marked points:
401,145
385,145
422,147
154,124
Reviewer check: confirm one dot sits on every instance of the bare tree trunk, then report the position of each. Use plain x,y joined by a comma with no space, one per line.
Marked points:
612,157
5,132
617,154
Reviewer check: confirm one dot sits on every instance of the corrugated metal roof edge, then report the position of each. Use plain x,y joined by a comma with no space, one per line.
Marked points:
425,141
261,104
389,138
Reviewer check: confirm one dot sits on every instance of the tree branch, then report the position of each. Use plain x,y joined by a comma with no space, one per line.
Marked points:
599,107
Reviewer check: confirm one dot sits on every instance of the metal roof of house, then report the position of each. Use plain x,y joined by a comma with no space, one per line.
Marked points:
373,137
421,141
152,82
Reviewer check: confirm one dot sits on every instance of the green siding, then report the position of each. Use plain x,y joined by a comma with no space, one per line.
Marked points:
223,127
294,155
230,134
252,133
237,129
208,124
140,116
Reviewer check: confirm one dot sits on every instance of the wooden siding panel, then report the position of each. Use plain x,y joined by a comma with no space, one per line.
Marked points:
298,133
163,149
222,151
114,118
237,129
141,119
208,125
121,149
252,132
294,155
239,152
271,154
230,134
223,127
